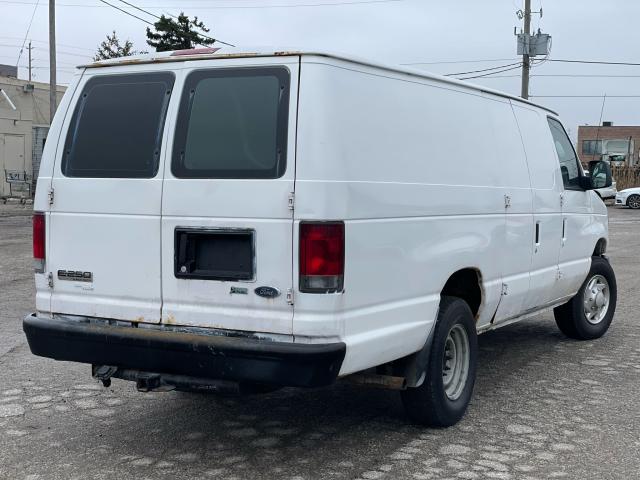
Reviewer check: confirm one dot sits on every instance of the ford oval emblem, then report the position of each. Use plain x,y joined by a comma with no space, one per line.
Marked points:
267,292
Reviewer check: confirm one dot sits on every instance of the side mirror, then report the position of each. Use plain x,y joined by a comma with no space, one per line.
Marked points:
601,176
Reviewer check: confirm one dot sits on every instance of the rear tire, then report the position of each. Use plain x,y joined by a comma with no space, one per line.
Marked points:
589,314
633,201
442,400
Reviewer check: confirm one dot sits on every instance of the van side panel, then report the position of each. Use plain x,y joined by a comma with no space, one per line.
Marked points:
519,226
546,184
400,160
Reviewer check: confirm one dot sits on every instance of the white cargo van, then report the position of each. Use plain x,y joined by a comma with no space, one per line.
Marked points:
212,219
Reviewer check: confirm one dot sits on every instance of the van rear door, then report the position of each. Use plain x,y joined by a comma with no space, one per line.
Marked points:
104,235
227,210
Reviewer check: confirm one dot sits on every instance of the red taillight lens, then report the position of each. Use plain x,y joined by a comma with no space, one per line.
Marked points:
39,253
321,257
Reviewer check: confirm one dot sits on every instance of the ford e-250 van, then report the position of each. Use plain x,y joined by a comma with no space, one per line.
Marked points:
210,219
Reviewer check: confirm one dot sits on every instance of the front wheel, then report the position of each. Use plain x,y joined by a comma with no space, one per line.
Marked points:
634,201
442,400
588,315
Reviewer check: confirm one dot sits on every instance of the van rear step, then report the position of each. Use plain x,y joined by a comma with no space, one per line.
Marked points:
234,359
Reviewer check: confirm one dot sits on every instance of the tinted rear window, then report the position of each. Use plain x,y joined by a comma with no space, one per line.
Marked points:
116,129
233,124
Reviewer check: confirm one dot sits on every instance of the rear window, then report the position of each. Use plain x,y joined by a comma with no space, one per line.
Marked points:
233,124
116,129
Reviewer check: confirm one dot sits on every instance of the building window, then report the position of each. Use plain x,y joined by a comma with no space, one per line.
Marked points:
592,147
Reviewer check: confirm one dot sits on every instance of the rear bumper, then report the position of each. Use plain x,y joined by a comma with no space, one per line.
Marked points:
169,352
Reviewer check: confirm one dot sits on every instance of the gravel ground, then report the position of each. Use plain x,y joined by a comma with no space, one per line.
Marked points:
544,407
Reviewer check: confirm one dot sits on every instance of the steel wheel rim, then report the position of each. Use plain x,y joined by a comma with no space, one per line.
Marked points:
596,299
455,362
634,201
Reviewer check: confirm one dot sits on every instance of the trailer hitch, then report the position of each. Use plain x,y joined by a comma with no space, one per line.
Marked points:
103,373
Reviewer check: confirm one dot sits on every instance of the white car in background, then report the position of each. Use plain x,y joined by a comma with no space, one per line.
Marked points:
629,197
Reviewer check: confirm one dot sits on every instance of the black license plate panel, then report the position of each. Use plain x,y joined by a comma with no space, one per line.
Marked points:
214,254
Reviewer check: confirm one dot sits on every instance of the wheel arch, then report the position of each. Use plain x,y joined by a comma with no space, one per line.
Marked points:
600,248
466,284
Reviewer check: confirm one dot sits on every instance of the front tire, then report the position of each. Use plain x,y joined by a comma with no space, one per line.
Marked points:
589,314
442,400
633,201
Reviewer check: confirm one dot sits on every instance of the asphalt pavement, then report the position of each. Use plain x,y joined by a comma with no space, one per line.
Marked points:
544,406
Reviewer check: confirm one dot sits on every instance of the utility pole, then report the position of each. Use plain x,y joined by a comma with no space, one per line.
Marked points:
526,62
52,60
30,59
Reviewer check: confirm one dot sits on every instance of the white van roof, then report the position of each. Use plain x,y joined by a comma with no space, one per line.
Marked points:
223,52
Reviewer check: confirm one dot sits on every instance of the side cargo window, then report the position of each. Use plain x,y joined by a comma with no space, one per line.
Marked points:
116,129
569,165
233,123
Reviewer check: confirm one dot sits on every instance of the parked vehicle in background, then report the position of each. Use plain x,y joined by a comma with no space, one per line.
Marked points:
629,197
607,192
214,218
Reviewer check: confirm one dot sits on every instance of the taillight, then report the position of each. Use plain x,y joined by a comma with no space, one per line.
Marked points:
321,257
39,253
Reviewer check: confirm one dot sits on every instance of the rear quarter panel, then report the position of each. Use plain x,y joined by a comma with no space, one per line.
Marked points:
395,157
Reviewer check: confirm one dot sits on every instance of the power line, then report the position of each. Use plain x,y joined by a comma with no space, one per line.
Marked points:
461,61
125,12
492,73
483,70
596,62
156,16
225,7
140,9
27,33
560,60
74,54
45,42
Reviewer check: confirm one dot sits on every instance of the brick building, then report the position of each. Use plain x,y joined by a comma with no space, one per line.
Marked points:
619,144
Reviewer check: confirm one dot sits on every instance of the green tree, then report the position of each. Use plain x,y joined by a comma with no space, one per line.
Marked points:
112,48
179,34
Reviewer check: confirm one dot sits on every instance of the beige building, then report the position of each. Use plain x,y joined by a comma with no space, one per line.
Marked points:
24,124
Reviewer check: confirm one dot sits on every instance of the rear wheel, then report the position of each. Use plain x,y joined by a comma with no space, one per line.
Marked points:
634,201
589,314
442,399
